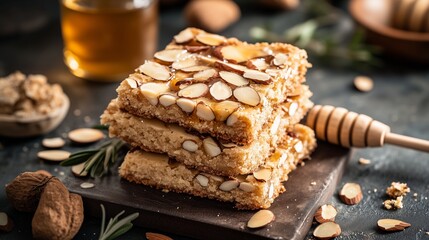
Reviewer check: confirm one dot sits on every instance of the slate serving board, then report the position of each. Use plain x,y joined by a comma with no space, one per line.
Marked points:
208,219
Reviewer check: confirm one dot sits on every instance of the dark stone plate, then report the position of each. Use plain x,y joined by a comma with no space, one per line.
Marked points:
208,219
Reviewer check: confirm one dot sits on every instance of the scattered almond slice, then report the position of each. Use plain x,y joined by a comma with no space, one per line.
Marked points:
85,135
152,90
86,185
257,76
77,170
232,119
167,100
211,147
280,59
184,36
247,95
326,213
229,185
392,225
364,161
170,55
204,112
132,83
6,223
155,71
327,230
210,39
187,105
190,145
194,91
261,219
263,174
53,142
185,63
363,83
195,68
351,193
53,155
220,91
257,64
247,187
205,74
233,78
224,109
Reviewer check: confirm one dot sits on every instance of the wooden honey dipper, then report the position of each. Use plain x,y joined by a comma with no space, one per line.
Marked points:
337,125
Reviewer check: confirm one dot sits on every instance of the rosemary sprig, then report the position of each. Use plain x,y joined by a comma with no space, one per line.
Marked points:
97,161
115,227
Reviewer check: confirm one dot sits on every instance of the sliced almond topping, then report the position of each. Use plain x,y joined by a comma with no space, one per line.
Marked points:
170,55
6,223
204,112
261,219
299,147
195,49
53,155
239,53
152,90
247,95
363,83
184,36
190,145
293,107
210,39
275,126
326,213
155,71
53,142
205,74
220,91
195,68
85,135
157,236
327,230
351,193
232,119
185,63
247,187
132,83
233,78
224,109
257,64
211,147
78,171
194,91
202,180
392,225
229,185
263,174
257,76
231,67
167,100
187,105
280,59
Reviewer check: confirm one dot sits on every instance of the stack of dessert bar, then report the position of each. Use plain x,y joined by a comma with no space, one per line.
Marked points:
215,117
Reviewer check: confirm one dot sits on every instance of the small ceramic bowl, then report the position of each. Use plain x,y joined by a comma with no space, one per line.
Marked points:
13,126
375,17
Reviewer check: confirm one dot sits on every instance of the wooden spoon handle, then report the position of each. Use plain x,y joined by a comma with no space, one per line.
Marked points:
350,129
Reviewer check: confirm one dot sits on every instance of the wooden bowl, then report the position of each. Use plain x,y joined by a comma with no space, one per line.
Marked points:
13,126
375,17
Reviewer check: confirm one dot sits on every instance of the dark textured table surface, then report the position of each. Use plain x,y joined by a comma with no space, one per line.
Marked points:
400,99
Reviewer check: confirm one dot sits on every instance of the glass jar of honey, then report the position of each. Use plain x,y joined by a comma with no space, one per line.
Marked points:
104,40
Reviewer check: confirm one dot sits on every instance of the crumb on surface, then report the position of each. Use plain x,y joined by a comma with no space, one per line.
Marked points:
394,203
397,189
313,183
364,161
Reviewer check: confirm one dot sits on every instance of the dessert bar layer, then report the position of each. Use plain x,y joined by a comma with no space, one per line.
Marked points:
223,87
200,150
251,191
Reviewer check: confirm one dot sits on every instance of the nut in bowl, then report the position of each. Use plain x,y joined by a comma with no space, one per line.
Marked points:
380,21
29,106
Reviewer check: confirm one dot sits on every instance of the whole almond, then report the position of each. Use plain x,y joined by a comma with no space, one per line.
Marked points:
157,236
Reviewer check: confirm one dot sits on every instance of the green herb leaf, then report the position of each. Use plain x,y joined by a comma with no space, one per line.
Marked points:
115,227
